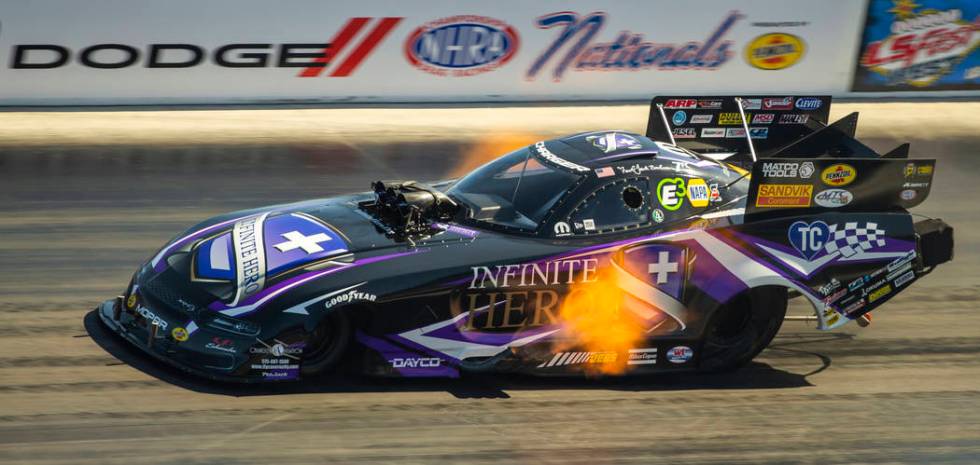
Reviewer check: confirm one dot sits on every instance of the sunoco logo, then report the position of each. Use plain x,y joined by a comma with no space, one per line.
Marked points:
461,45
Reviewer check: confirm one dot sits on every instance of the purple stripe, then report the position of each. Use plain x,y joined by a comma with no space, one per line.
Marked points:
803,287
453,332
711,277
158,261
303,278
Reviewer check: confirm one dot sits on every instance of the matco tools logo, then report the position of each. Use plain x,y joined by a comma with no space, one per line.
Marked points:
461,45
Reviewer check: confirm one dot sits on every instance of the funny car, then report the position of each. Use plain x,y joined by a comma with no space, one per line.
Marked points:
605,252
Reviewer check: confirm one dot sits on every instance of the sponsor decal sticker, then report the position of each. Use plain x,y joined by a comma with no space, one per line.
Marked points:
838,175
350,296
670,193
679,354
833,198
463,45
604,172
416,362
879,293
151,317
221,344
698,193
808,103
783,103
685,133
562,229
783,195
774,51
908,194
131,301
712,132
759,133
751,103
709,104
179,334
546,154
904,279
578,358
642,356
732,133
787,169
687,104
701,119
679,118
793,119
658,215
763,118
726,119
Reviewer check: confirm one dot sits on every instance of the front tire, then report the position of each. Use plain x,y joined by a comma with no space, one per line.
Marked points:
743,327
327,344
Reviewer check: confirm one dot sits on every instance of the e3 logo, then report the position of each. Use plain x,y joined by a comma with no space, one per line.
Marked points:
671,193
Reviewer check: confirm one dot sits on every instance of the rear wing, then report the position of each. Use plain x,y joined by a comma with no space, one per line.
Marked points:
797,186
779,126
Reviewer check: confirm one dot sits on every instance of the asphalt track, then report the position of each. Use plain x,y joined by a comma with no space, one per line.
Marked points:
85,197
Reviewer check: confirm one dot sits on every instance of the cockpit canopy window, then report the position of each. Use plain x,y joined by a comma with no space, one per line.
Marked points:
515,191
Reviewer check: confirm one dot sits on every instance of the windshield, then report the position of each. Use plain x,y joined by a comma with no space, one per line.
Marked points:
515,190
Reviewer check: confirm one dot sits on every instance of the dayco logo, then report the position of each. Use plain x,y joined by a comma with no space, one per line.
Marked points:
461,45
838,175
153,319
350,296
416,362
774,51
314,58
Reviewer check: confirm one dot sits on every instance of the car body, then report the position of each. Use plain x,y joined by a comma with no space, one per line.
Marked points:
515,267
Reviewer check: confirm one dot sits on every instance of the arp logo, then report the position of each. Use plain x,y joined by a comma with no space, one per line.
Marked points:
461,45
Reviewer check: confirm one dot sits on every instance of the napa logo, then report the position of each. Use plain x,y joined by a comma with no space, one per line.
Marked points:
461,45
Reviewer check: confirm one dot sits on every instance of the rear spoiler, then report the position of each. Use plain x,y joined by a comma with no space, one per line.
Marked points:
798,186
779,126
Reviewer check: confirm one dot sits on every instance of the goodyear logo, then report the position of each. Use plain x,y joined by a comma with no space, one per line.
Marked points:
774,51
784,195
838,174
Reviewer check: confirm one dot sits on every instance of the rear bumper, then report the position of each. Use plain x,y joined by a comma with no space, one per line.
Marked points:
159,344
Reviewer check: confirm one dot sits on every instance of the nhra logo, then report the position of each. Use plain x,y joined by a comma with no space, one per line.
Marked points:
461,45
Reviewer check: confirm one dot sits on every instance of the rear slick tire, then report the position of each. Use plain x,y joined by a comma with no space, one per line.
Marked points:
743,327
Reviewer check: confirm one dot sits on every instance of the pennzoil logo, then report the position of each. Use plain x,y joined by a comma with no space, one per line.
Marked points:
774,51
179,334
784,195
838,174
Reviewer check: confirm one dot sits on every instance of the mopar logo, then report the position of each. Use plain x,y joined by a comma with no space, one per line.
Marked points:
461,45
808,103
416,362
153,319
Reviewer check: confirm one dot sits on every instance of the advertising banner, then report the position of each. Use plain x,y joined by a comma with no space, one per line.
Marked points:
60,52
920,45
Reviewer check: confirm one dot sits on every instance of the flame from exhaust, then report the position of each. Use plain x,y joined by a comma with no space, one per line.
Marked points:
596,316
488,148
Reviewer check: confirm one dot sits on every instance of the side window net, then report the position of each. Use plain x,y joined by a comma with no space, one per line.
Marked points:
619,205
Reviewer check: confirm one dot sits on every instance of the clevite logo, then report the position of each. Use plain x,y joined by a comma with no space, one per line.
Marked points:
630,51
463,45
774,51
313,57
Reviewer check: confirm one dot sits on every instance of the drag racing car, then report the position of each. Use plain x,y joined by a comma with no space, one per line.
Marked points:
605,252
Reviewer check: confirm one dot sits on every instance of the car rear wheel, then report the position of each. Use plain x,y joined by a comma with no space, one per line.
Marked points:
742,328
327,344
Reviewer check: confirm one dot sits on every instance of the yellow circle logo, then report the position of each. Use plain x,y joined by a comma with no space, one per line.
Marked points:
774,51
179,334
131,301
698,193
838,175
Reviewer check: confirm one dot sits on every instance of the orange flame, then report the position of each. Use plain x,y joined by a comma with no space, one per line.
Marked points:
596,316
489,148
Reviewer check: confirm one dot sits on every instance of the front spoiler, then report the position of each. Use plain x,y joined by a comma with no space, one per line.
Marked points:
110,311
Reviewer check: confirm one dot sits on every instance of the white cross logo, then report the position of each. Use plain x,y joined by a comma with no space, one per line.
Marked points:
309,244
663,267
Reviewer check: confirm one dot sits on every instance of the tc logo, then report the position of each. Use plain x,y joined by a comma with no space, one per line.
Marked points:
809,239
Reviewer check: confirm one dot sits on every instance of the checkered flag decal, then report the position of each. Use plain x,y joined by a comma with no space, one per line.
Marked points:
851,239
